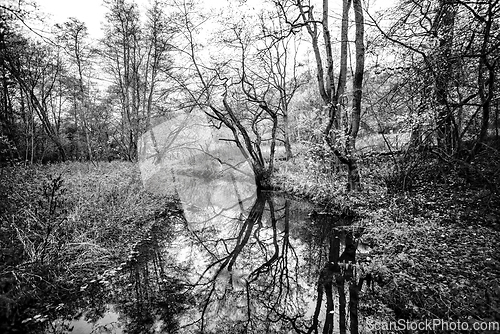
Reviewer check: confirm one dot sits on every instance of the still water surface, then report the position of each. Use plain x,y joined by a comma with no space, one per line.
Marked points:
267,264
232,260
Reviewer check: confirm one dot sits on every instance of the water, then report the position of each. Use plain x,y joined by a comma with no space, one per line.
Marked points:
269,265
233,260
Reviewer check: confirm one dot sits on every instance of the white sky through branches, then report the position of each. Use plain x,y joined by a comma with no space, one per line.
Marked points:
89,11
92,12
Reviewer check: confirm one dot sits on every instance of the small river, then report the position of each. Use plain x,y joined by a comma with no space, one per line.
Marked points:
267,265
232,259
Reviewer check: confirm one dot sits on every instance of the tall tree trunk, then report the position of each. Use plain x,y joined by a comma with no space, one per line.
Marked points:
497,104
486,84
288,145
333,98
77,133
84,112
444,26
353,171
354,290
342,304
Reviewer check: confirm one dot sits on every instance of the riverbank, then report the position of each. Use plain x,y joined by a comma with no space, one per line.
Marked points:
434,246
62,226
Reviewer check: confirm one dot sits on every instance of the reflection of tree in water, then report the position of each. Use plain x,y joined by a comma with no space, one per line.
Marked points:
255,278
245,268
250,269
338,276
150,297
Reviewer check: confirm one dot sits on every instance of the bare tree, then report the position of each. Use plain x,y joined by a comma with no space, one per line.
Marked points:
245,91
453,46
342,127
123,54
137,55
73,36
37,70
158,35
278,59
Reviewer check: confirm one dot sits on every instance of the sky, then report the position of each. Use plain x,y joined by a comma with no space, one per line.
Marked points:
92,11
89,11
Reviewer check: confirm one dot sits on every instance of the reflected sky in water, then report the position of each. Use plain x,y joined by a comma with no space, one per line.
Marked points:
272,269
232,259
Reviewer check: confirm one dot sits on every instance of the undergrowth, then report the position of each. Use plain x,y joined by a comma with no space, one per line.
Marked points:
432,221
61,224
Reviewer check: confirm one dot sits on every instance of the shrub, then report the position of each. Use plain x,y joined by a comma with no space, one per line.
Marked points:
61,224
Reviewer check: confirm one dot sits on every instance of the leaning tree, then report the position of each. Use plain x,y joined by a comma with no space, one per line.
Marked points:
246,88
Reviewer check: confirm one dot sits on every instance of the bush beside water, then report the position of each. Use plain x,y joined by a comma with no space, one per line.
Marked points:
61,225
433,228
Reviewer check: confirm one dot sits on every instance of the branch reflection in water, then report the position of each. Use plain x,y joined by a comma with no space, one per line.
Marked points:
271,270
251,261
231,259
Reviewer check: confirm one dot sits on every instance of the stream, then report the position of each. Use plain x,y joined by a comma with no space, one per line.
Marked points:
233,259
267,265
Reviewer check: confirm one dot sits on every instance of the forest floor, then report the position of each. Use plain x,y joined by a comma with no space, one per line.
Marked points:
435,244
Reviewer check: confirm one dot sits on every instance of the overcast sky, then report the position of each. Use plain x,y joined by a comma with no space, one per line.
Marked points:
89,11
92,11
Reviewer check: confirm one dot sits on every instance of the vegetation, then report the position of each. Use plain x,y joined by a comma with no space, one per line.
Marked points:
64,225
400,133
433,227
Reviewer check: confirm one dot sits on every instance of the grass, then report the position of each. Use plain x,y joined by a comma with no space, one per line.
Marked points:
434,243
308,177
60,225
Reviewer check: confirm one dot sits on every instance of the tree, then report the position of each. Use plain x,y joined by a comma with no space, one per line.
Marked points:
73,35
453,49
158,65
137,58
278,59
19,94
123,54
36,69
244,90
8,128
342,127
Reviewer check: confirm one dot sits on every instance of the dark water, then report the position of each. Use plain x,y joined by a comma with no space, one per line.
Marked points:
264,265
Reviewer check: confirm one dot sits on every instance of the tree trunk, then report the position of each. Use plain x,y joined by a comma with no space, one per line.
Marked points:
353,178
486,84
288,146
444,27
353,171
262,178
496,119
354,290
342,304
